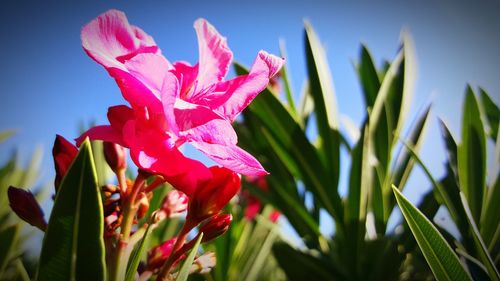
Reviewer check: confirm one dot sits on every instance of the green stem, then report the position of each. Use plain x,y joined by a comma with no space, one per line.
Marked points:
123,249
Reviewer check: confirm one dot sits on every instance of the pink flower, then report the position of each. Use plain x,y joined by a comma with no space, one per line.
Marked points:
172,104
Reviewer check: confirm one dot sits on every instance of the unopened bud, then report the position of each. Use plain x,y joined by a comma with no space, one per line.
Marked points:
215,227
23,203
64,153
115,155
159,254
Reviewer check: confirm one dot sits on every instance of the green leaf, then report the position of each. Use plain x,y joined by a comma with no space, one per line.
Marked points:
300,153
492,113
183,273
491,215
8,240
4,135
451,148
405,162
103,171
135,258
368,76
325,107
286,79
73,246
300,266
480,246
443,262
472,155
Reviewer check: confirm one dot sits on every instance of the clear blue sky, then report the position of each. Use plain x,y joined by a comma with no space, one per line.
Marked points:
48,85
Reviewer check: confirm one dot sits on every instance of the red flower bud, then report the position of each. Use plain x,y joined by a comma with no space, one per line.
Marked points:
23,203
159,254
64,153
115,155
211,196
215,227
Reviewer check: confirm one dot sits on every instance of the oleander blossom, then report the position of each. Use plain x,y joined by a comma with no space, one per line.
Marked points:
175,103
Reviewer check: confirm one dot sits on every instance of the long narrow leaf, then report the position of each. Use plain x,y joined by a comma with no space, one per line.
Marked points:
135,258
443,262
186,266
325,107
480,246
492,113
286,79
73,246
368,76
472,155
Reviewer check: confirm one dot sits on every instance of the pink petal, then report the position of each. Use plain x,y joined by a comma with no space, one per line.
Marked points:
169,94
104,133
231,97
119,115
217,131
150,69
109,39
190,115
186,75
135,91
215,56
153,151
232,157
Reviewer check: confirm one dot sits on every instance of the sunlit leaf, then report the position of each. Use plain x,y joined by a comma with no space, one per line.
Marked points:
443,262
73,246
325,107
480,246
492,113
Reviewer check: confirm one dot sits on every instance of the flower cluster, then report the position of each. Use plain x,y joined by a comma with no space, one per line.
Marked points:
168,104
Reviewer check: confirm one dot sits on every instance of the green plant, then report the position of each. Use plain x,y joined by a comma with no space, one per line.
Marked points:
362,246
465,191
15,260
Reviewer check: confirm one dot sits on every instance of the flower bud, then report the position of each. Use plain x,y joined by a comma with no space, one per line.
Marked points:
23,203
215,227
211,196
159,254
116,156
64,153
